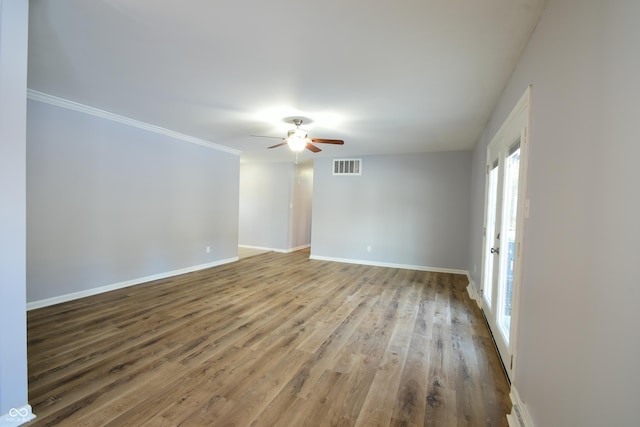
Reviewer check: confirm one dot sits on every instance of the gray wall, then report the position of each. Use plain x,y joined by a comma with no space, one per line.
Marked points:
411,209
579,345
109,203
275,205
13,92
265,194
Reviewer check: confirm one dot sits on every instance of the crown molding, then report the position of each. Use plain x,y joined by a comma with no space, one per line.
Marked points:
75,106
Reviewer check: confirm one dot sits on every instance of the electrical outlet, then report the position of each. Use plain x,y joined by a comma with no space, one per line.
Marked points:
368,248
208,249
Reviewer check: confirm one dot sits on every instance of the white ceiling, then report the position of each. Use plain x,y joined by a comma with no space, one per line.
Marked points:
386,76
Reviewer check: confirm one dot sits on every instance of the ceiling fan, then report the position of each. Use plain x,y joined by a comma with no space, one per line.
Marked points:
297,139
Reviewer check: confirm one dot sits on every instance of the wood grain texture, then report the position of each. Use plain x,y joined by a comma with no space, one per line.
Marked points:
271,340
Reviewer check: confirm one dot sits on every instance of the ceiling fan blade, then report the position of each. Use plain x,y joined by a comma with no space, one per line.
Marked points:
312,147
278,145
264,136
328,141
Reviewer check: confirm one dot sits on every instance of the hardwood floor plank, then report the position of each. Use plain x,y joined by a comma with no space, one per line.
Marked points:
271,340
441,397
411,400
378,407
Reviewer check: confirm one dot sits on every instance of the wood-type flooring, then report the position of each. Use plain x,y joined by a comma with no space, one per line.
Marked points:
271,340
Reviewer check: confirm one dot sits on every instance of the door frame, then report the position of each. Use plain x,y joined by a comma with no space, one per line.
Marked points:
516,126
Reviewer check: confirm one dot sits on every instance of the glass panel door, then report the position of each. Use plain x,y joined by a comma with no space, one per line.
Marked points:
508,232
504,218
491,236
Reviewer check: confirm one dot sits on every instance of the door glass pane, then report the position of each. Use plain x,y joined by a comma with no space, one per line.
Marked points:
507,253
492,193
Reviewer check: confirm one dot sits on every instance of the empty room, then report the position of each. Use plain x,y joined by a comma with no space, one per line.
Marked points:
279,213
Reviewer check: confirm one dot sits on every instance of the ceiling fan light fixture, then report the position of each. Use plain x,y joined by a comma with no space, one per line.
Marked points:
296,143
297,139
300,133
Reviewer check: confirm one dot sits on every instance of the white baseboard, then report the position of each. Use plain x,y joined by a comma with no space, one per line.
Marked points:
17,416
471,289
262,248
390,265
519,416
298,248
284,251
94,291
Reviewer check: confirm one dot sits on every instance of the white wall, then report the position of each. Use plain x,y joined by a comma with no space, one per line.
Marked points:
109,203
579,346
13,92
411,209
302,205
275,205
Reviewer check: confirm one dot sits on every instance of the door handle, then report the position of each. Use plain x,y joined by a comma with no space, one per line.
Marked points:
495,250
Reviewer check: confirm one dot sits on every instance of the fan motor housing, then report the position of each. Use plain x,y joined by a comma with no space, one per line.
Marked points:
292,132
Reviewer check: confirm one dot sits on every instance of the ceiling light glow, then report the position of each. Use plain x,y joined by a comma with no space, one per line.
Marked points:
296,143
